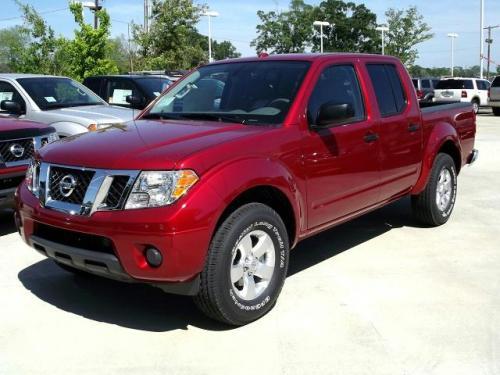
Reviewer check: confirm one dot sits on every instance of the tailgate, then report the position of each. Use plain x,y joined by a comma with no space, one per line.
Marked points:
449,94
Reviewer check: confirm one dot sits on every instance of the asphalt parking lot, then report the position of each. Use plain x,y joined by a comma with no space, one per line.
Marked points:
379,295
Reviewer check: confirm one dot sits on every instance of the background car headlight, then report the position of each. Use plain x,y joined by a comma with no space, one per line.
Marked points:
32,177
160,188
52,137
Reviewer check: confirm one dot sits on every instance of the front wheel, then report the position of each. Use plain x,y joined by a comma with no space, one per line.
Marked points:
435,204
246,266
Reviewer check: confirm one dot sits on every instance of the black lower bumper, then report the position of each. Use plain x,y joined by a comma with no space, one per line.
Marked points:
473,157
102,264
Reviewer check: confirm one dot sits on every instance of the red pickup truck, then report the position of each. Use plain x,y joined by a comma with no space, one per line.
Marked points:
213,184
18,142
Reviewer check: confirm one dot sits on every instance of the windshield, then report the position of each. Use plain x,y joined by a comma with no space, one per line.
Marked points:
257,92
54,92
453,84
154,86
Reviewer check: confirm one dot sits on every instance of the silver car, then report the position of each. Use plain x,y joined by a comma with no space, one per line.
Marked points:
60,102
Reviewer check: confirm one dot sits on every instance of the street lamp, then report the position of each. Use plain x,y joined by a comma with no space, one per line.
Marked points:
383,29
210,14
321,24
481,38
452,36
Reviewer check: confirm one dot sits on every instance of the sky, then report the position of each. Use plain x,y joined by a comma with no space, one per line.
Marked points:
238,19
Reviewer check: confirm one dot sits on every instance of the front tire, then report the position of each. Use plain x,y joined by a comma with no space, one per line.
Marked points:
475,106
246,266
435,204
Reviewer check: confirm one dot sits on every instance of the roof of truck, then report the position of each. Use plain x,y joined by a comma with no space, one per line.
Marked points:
308,57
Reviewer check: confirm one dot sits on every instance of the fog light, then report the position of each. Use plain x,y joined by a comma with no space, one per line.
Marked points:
153,257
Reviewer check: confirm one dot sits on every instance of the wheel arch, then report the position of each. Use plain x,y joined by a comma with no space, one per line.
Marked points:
270,196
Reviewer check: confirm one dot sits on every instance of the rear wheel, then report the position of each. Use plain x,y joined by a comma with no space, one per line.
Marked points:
435,204
246,266
496,111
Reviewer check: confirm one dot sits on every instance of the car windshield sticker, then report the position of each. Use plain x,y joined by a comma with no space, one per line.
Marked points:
120,96
50,99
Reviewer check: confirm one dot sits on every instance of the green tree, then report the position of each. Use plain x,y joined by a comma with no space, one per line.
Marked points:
285,32
224,50
118,51
88,51
168,44
38,55
406,30
13,42
354,28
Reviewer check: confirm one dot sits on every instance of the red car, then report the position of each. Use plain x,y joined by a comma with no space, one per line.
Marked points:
209,189
19,140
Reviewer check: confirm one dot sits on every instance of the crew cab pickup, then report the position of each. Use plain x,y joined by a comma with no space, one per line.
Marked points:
19,140
216,180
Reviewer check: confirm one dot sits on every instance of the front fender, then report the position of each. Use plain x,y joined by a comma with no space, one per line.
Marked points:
441,133
234,178
66,128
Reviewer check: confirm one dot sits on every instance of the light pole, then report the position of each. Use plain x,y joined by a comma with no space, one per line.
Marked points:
210,14
452,36
383,29
481,37
321,24
94,6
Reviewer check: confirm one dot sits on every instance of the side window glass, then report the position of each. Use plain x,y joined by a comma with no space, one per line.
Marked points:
397,88
426,84
391,98
468,85
9,93
337,89
118,90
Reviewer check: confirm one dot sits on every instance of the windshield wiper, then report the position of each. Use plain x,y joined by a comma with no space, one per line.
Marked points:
196,116
69,105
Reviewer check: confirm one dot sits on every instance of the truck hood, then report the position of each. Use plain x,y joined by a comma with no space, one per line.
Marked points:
142,144
92,114
7,124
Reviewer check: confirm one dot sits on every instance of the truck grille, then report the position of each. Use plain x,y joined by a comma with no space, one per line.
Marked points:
17,150
117,192
82,191
73,195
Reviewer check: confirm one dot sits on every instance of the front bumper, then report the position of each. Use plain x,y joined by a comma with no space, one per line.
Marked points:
180,232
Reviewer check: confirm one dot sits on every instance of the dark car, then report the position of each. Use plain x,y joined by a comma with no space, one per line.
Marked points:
425,88
114,89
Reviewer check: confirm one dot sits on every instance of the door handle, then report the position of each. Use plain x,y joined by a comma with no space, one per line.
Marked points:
413,128
370,137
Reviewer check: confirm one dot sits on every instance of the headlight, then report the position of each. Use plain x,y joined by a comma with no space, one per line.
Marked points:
157,189
96,127
52,137
32,177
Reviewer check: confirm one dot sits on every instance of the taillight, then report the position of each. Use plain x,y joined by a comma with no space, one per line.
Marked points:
420,94
464,94
489,93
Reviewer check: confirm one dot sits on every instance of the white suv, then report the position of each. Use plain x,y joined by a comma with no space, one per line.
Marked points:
471,90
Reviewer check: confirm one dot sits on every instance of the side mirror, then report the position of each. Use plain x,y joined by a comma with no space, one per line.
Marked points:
333,113
135,101
11,107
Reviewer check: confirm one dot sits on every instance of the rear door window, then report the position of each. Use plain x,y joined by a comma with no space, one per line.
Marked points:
426,84
483,85
386,82
468,84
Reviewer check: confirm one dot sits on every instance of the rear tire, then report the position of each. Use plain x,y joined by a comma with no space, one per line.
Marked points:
496,111
435,204
246,266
